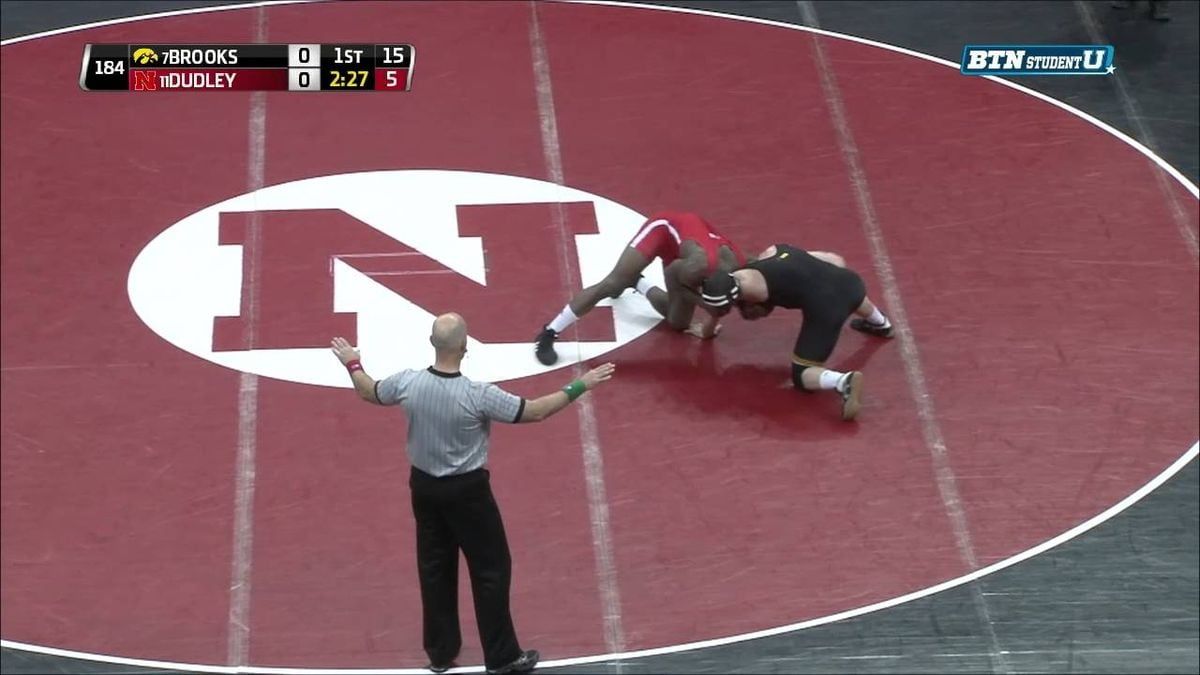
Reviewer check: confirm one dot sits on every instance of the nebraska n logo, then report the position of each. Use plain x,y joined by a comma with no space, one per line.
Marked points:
145,80
261,282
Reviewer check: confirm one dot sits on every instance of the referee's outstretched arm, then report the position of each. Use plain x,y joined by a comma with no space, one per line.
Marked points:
544,407
364,384
536,410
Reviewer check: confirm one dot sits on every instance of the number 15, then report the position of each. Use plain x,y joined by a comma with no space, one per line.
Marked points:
394,55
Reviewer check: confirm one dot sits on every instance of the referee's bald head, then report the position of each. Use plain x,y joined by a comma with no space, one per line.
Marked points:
449,334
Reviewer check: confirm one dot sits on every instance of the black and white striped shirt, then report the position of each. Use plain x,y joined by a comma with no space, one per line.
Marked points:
449,417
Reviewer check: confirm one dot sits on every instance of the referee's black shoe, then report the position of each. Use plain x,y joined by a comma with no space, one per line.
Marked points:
864,326
524,663
433,667
545,347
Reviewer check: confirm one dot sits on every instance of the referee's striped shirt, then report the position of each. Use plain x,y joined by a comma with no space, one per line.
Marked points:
449,417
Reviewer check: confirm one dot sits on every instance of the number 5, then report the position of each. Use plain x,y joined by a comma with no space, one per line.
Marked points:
391,78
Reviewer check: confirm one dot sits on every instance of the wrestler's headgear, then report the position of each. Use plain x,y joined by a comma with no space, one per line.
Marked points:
720,291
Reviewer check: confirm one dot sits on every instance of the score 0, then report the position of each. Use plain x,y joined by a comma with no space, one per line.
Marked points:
304,67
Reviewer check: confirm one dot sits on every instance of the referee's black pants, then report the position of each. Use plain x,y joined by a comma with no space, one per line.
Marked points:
453,513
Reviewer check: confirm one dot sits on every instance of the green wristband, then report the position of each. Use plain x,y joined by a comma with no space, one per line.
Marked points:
575,390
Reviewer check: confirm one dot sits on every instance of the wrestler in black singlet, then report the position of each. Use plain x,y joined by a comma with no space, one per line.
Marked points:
826,293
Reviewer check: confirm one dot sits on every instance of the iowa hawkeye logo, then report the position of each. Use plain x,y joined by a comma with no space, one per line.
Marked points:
144,56
261,282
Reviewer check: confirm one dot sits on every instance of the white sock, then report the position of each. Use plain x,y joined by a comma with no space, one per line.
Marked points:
878,319
832,379
644,286
564,319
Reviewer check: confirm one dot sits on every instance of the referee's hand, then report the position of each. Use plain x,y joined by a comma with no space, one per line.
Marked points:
592,378
343,350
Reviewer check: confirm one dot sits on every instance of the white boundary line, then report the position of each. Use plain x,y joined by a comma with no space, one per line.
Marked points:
935,441
593,457
242,568
1070,534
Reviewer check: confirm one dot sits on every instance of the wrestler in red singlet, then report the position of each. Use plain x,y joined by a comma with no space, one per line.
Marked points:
661,235
690,250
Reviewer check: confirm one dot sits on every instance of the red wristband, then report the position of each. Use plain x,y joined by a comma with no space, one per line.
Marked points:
353,366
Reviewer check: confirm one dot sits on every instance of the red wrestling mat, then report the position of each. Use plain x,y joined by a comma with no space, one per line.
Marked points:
1033,251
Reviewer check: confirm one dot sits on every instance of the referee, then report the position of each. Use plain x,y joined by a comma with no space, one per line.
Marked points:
449,418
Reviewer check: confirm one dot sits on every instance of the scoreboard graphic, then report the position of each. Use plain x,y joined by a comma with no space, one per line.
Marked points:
255,67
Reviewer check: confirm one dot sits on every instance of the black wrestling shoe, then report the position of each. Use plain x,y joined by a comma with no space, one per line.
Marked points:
545,347
864,326
852,396
433,667
524,663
